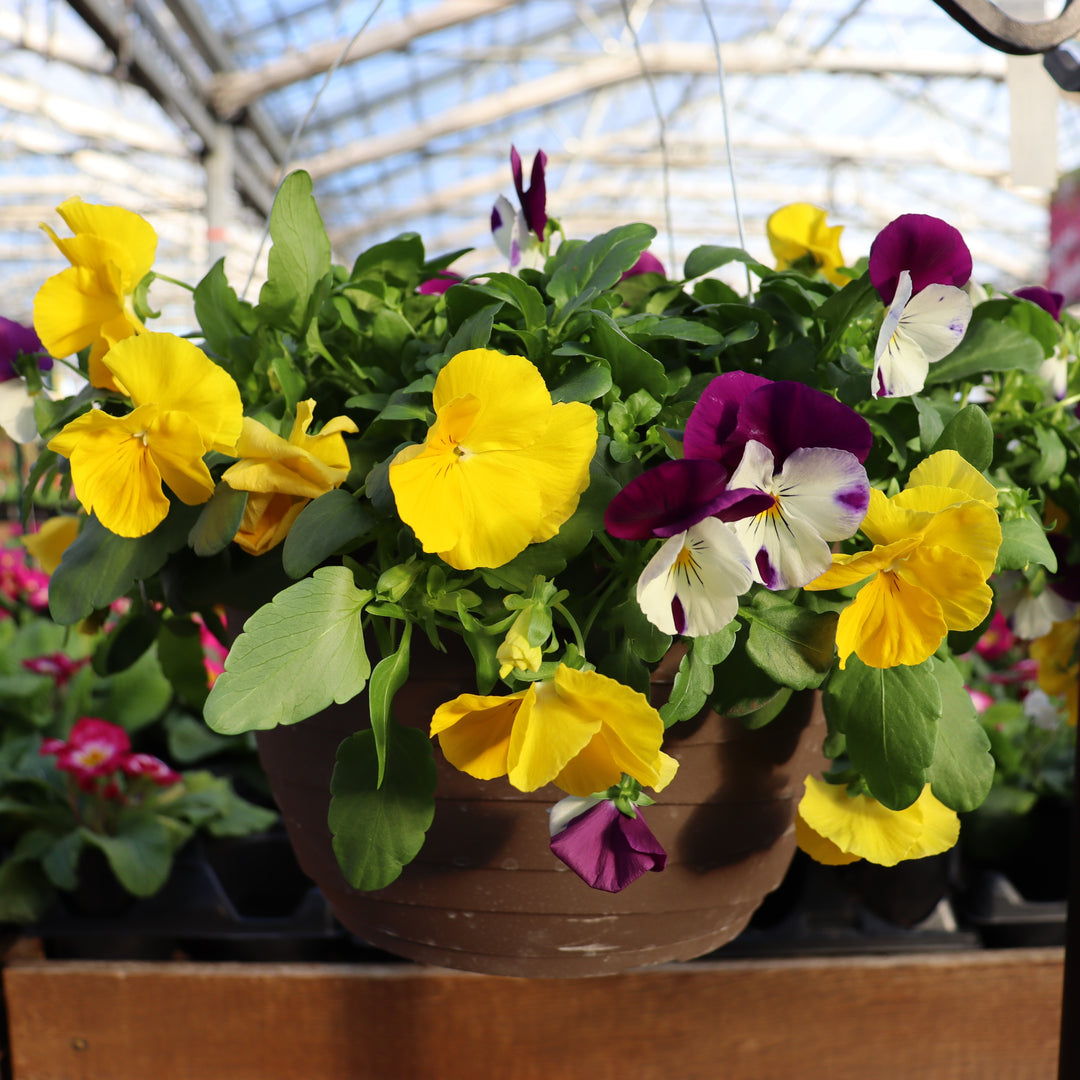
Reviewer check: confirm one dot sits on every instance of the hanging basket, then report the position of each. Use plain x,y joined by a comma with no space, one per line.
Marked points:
485,893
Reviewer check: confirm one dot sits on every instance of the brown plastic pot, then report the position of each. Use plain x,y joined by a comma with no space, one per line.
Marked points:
485,893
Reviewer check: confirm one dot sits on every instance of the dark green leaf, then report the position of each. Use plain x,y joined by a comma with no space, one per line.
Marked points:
583,271
378,829
703,260
331,523
1023,541
386,680
890,719
218,521
971,435
140,854
632,368
963,767
792,645
988,346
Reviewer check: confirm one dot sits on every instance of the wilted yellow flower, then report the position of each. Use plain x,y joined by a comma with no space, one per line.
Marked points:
1058,656
501,468
835,828
284,475
92,301
580,730
935,544
185,405
51,540
798,231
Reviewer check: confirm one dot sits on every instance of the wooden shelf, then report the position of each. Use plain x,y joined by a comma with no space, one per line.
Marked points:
985,1015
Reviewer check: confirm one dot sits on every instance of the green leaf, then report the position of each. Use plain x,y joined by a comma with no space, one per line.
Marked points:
61,861
297,655
222,316
386,680
25,892
379,828
99,566
694,680
180,654
137,696
586,270
703,260
632,368
126,642
511,289
792,645
218,521
988,346
1052,458
140,854
299,258
890,719
963,767
333,522
971,435
1023,541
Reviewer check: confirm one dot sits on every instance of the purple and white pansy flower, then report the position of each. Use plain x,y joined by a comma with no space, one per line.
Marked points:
605,846
16,398
803,451
692,584
919,266
1055,369
519,234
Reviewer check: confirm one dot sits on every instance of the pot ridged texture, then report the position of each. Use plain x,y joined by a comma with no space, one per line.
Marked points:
485,893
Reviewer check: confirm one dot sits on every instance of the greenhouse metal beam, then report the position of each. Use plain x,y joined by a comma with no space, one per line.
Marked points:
231,91
688,58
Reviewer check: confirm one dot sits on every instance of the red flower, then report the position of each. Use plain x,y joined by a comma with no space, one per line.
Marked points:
60,666
94,748
151,767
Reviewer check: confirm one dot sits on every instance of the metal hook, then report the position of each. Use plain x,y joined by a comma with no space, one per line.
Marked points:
994,28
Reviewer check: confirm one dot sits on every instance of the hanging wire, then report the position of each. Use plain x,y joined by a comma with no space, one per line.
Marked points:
295,136
727,140
662,138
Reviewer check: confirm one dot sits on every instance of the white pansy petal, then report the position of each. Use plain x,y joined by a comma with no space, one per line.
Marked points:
503,225
787,552
825,487
17,411
936,319
692,583
900,365
568,809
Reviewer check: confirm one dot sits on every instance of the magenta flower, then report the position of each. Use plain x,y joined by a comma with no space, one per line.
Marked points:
606,848
60,666
15,339
1050,301
153,768
647,263
520,234
94,748
802,450
997,640
918,264
692,584
437,285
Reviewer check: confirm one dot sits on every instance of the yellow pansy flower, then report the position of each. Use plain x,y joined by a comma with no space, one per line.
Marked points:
935,544
501,468
580,730
91,302
284,475
52,539
1058,656
185,405
798,231
836,828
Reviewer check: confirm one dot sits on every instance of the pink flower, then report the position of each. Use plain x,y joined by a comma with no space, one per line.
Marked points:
152,768
997,640
94,748
214,652
981,700
60,666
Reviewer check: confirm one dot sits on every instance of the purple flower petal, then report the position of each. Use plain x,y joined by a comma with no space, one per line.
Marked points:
437,285
710,425
534,201
1047,299
930,249
790,416
647,263
14,339
674,495
607,849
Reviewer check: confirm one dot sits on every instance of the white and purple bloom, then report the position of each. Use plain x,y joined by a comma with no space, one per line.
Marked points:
919,265
1050,301
16,399
1054,369
692,584
647,263
519,234
803,451
607,848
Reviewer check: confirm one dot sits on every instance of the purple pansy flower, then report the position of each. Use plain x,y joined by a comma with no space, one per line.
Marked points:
802,450
692,584
647,263
519,234
918,264
606,848
1050,301
16,401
